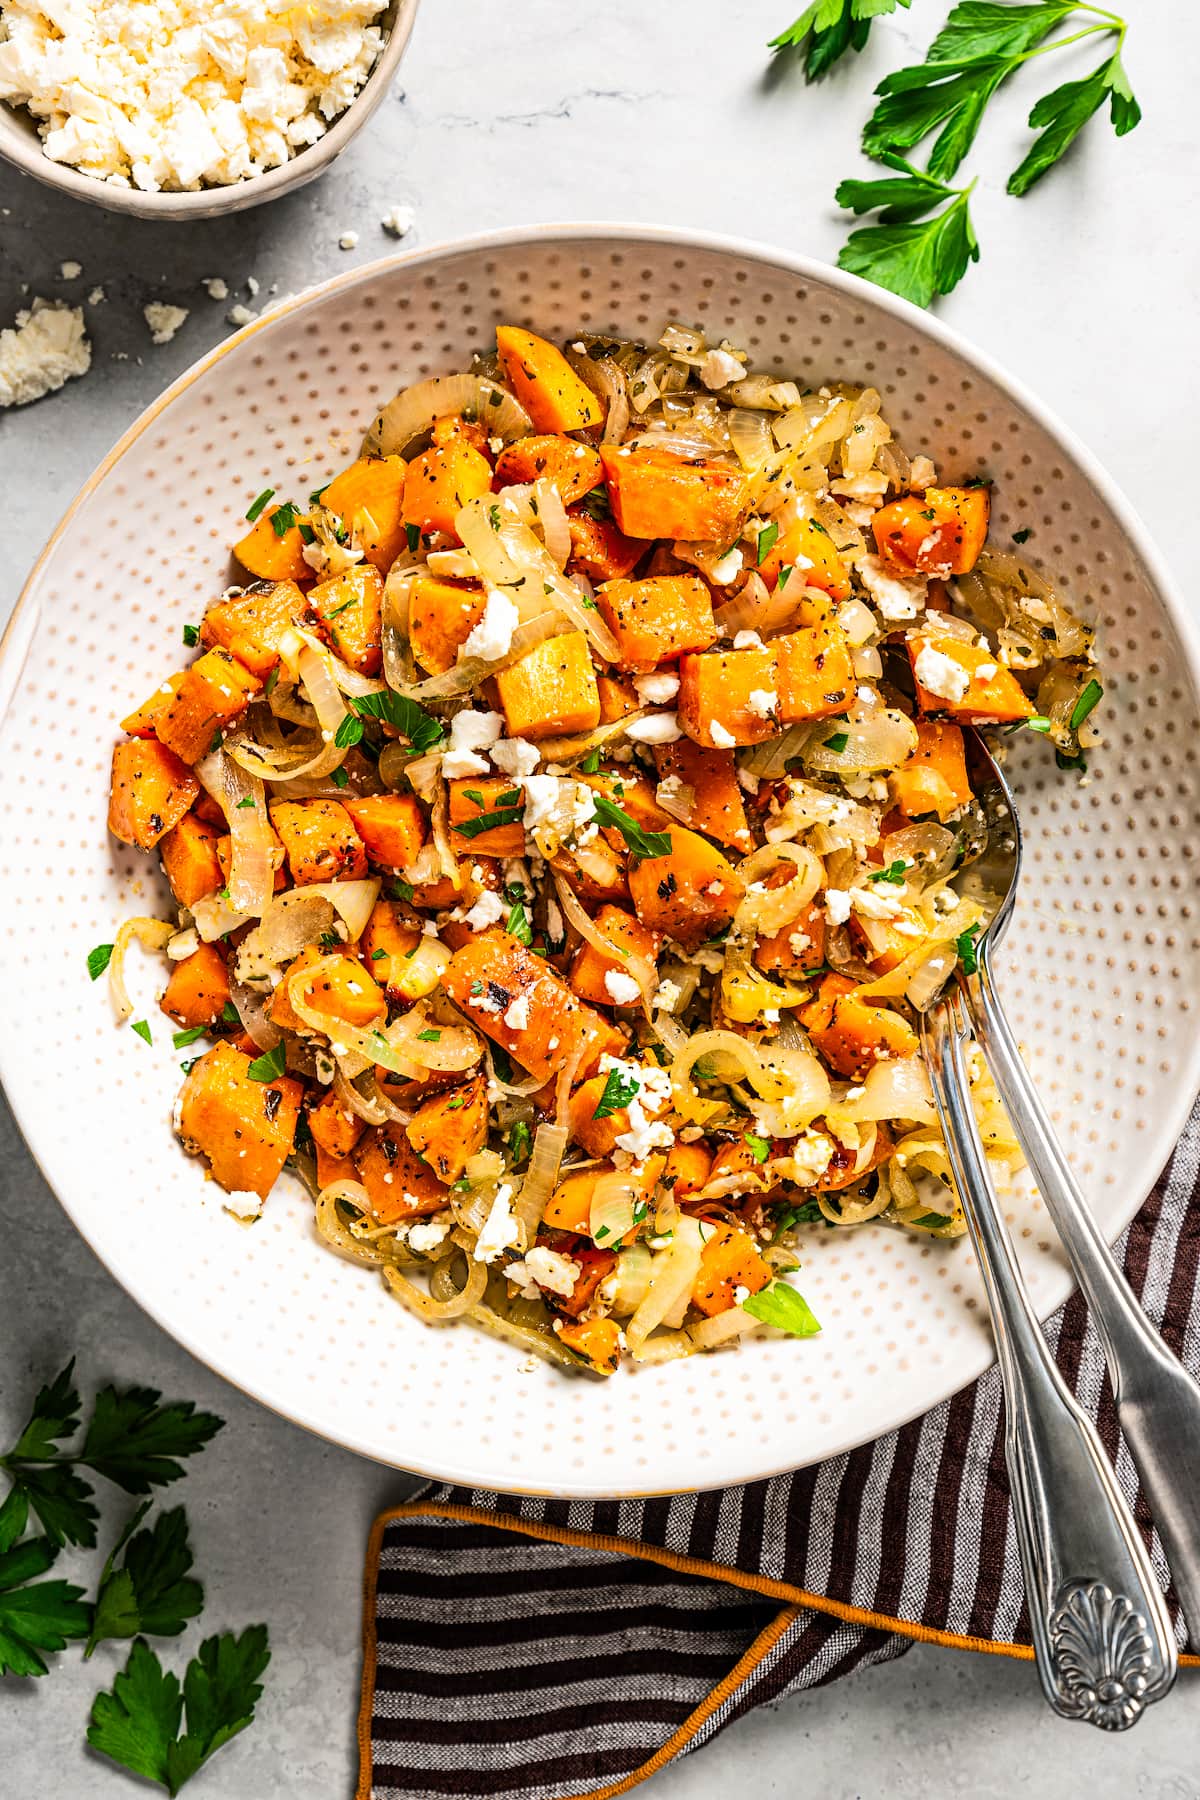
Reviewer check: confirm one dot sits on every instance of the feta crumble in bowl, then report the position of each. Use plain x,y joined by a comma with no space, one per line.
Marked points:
170,109
320,1337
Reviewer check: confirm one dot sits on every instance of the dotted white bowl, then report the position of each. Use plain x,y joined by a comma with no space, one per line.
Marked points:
1102,964
21,145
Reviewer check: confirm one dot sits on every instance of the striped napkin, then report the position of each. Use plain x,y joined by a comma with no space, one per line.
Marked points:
527,1649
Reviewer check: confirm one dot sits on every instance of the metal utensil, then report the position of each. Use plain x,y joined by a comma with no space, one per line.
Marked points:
1101,1632
1158,1402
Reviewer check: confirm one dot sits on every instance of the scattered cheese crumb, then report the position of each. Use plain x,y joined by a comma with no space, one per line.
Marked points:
70,271
723,739
656,689
763,701
251,286
500,1230
427,1234
719,368
243,1204
542,1268
492,637
487,910
621,989
939,674
895,599
348,240
656,728
240,315
517,1016
97,297
44,349
164,321
515,756
838,904
398,220
667,997
217,288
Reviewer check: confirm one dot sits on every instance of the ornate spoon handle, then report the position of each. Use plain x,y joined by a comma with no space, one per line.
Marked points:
1158,1402
1101,1632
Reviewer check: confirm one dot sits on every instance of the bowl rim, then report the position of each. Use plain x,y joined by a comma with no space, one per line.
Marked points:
15,641
26,153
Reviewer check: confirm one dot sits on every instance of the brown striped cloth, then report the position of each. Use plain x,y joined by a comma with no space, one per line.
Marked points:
526,1649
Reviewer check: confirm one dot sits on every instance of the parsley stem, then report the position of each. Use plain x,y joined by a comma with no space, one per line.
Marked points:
1076,37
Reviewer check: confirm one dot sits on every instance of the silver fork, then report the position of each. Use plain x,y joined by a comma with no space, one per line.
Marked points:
1102,1635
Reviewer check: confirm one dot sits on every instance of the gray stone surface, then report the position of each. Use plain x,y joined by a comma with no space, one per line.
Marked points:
505,115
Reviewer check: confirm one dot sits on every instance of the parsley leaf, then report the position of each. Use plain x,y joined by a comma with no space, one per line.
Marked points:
917,260
646,844
766,541
837,743
591,762
191,636
826,29
348,732
518,924
255,507
619,1090
421,729
488,821
1087,702
519,1142
35,1615
894,873
899,198
284,517
759,1147
967,949
99,959
142,1030
137,1724
152,1592
781,1306
134,1441
270,1065
1062,115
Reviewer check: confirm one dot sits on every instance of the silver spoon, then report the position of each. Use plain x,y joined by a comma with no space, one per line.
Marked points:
1102,1635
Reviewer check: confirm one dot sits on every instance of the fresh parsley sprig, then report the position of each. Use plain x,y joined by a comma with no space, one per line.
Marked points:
645,844
138,1723
826,29
35,1616
152,1590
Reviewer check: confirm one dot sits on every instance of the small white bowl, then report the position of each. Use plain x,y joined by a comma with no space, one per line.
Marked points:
21,145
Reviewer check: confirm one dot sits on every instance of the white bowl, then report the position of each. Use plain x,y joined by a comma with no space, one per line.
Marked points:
21,145
1102,963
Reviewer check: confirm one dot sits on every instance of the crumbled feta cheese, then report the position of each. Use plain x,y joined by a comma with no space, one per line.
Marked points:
240,315
922,474
216,288
44,349
97,297
177,94
747,782
487,910
644,1135
470,732
427,1234
724,740
621,989
542,1268
656,689
747,640
541,798
811,1153
799,942
515,756
895,599
939,674
348,240
398,221
71,271
986,671
517,1016
492,637
655,728
838,903
719,368
870,904
164,321
243,1204
763,701
740,1295
728,568
500,1230
183,944
667,997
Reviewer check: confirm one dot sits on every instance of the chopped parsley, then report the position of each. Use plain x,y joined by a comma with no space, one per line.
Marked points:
1023,536
781,1306
229,1014
191,636
181,1039
339,777
421,729
431,1036
894,873
766,541
520,1140
1087,702
98,960
269,1066
143,1030
759,1147
413,535
619,1090
967,949
837,743
591,762
247,802
517,924
488,821
284,517
644,844
401,890
256,506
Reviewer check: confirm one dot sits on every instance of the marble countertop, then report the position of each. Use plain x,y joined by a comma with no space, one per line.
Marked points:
668,113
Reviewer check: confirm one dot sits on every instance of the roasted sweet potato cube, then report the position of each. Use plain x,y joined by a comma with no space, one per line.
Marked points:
523,1004
332,1168
569,1207
320,841
597,1341
551,690
448,1129
334,1127
350,608
545,383
140,722
251,625
387,943
343,990
151,791
729,1260
440,482
851,1034
392,826
967,680
475,798
657,495
710,776
589,966
369,499
939,532
797,947
198,988
273,555
213,691
617,698
690,895
441,617
815,673
190,859
934,779
399,1185
688,1169
656,619
805,549
574,468
244,1127
598,549
729,697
